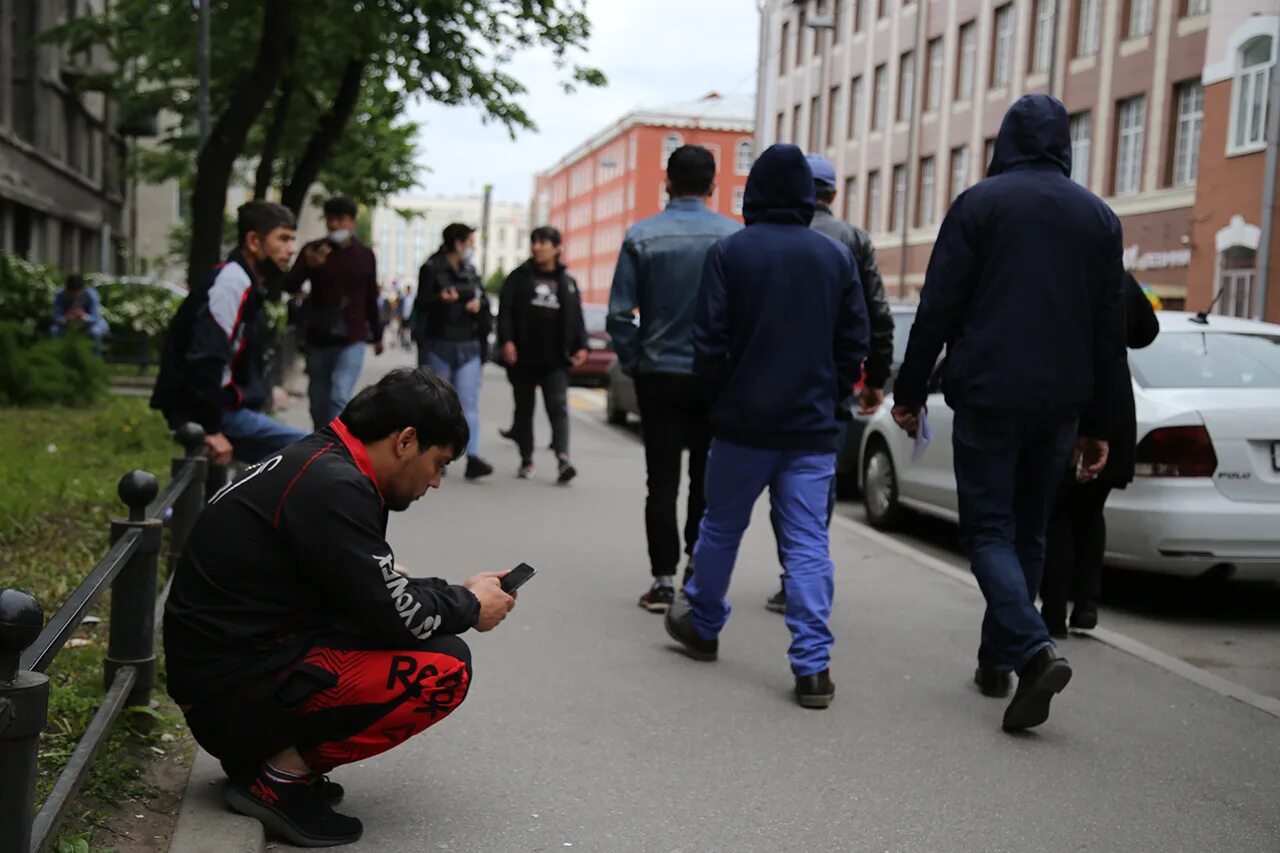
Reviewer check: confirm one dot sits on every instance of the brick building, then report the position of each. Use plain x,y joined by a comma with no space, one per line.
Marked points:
906,97
617,178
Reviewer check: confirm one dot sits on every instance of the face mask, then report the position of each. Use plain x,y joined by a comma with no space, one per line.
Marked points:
267,268
468,256
339,236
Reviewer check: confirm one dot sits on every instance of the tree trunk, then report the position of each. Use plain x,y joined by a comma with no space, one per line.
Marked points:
320,145
226,140
271,144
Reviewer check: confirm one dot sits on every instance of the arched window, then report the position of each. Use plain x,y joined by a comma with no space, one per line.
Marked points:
669,146
742,157
1250,89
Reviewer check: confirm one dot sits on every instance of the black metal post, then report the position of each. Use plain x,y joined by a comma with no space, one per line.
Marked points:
187,509
24,710
133,593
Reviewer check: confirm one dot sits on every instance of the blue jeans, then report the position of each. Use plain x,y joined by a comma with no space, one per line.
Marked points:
334,371
842,435
459,363
254,435
799,483
1007,470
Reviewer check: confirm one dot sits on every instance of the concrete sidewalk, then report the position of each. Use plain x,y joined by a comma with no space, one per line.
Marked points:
585,728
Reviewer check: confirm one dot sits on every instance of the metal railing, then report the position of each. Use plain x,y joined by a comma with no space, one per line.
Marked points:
28,645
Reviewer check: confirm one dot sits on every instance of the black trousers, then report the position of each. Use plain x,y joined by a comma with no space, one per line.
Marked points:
674,414
554,381
1075,544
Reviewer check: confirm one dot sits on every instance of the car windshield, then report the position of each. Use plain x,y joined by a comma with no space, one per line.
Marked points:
902,321
1208,359
593,316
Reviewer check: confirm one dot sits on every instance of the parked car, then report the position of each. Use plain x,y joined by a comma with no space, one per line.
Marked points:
600,355
1206,500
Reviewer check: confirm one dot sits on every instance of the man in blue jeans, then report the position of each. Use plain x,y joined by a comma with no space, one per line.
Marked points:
780,336
1024,290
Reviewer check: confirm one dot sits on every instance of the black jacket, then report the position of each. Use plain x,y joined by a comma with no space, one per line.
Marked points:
294,551
437,320
1141,328
1024,286
879,364
214,351
513,314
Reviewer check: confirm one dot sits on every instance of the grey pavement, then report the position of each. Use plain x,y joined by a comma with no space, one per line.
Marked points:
585,729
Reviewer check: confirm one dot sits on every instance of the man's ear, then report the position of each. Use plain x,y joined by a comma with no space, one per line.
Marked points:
711,190
406,440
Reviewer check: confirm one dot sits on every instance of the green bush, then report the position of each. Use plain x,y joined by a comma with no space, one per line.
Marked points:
137,308
55,370
26,295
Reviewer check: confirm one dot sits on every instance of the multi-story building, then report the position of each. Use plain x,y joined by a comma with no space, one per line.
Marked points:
407,229
62,182
906,97
1228,237
618,177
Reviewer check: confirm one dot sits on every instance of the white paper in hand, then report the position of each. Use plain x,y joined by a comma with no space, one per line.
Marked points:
923,435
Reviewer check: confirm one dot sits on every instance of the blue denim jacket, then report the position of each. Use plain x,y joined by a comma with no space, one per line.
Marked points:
659,271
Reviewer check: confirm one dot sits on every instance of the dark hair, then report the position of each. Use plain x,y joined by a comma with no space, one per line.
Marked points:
455,232
263,217
823,192
409,397
75,281
340,206
545,234
691,170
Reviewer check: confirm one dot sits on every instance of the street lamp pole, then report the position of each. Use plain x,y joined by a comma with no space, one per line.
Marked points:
202,67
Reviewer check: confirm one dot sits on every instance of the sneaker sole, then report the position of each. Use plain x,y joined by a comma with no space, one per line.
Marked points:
567,477
707,657
816,701
655,606
775,608
277,824
1031,708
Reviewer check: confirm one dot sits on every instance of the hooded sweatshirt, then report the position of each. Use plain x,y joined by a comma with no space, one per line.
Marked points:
1024,285
781,327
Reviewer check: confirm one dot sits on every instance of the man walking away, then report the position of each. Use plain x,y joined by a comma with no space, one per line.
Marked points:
1024,290
404,310
781,333
880,358
213,368
659,270
542,333
340,316
452,320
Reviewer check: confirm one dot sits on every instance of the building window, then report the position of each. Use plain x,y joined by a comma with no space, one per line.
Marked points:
968,61
663,196
1081,146
906,84
898,203
835,21
738,195
669,146
815,114
742,157
1195,7
959,170
1002,47
924,209
1131,114
1087,28
1249,95
851,199
988,154
782,50
881,11
1139,18
779,127
801,32
855,108
833,114
933,80
855,13
873,201
878,97
1237,278
795,125
1186,148
1042,46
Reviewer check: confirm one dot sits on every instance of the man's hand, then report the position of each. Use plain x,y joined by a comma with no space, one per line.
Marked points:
908,418
217,449
494,603
870,400
509,352
377,347
76,314
316,254
578,358
473,307
449,294
1093,453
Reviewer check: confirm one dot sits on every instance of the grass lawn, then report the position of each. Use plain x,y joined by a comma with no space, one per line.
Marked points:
59,468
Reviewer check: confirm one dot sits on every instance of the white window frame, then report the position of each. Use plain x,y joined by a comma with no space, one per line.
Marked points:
1239,285
936,60
670,143
1042,53
856,98
898,201
1250,87
1131,116
739,196
906,85
1087,33
880,84
850,198
1186,147
1140,18
1002,47
873,202
663,197
928,190
967,70
742,156
1197,7
1081,147
959,170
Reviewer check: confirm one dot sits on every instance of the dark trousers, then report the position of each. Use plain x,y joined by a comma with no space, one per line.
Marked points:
1007,471
554,381
674,413
1075,545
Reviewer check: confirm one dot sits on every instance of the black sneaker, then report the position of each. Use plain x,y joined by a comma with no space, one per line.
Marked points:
526,471
996,683
508,434
680,629
293,811
815,691
658,599
567,472
777,603
1047,674
477,468
1084,616
326,789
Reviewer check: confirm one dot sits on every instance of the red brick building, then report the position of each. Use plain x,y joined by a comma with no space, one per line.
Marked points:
618,177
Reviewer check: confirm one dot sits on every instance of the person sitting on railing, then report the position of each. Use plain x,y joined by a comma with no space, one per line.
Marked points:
293,640
78,306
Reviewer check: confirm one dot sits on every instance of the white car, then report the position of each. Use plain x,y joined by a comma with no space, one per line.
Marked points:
1206,499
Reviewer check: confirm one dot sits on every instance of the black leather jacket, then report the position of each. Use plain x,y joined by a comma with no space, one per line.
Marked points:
880,357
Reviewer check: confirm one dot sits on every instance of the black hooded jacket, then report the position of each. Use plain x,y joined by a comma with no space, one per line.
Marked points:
1024,286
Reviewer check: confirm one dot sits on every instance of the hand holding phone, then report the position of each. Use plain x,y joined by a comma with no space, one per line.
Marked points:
517,577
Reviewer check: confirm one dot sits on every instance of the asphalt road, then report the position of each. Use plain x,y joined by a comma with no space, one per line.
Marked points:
585,729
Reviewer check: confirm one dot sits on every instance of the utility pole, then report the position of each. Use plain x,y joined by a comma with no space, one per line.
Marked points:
484,232
1265,259
203,112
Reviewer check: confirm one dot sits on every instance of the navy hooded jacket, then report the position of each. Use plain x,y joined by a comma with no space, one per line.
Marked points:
1024,285
781,328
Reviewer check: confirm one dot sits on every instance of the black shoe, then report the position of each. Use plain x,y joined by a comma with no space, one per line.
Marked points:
293,811
526,471
1084,616
680,629
777,603
1055,621
567,472
658,599
815,691
508,434
477,468
995,683
1047,673
326,789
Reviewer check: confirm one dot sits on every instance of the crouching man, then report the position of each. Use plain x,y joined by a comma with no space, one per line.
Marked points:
293,643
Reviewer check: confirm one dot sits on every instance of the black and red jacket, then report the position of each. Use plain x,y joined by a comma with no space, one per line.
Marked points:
291,553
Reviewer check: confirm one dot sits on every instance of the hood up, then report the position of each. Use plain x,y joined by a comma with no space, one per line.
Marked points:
1035,130
779,188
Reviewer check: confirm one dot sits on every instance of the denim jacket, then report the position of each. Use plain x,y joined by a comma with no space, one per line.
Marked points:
659,270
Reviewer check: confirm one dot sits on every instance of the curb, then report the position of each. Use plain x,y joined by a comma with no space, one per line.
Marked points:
205,825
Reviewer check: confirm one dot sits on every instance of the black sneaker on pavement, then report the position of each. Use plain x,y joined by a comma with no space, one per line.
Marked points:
658,599
777,603
1046,675
680,628
815,691
293,811
526,471
508,433
996,683
326,789
1084,616
567,472
477,468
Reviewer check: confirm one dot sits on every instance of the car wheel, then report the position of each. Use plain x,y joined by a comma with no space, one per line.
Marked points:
614,413
880,487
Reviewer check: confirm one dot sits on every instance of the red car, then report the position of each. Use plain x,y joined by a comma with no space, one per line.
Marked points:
600,355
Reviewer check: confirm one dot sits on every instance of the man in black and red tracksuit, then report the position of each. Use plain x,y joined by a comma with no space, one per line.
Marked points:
294,641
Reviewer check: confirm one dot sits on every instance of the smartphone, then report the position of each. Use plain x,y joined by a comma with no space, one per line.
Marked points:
516,578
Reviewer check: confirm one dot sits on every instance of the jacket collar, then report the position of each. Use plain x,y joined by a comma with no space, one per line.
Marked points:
358,454
686,204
